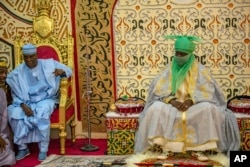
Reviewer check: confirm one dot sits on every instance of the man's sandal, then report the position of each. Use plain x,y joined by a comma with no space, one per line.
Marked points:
165,155
199,156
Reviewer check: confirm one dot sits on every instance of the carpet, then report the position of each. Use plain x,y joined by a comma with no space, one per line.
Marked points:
135,160
180,160
84,161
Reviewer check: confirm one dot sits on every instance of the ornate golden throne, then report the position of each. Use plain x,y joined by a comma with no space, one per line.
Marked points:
48,46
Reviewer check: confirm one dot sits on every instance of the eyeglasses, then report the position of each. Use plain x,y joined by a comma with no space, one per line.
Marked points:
180,54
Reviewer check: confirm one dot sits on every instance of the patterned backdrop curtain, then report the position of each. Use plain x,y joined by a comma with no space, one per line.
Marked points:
141,51
123,40
125,58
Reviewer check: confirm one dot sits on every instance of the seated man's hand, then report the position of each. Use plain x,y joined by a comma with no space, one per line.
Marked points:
188,103
181,106
27,110
177,104
2,145
59,72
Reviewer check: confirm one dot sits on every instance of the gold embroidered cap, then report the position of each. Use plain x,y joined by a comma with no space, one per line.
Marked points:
3,63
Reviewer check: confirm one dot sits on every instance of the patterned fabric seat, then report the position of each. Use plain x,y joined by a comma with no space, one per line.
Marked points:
240,106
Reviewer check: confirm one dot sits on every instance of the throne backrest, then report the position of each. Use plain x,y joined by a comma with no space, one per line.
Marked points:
48,44
47,48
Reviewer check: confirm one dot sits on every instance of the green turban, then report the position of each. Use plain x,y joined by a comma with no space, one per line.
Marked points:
184,43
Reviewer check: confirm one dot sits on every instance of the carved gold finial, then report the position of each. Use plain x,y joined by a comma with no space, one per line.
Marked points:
43,24
112,108
44,7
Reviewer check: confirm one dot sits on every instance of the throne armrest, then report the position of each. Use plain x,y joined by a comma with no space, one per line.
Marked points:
66,99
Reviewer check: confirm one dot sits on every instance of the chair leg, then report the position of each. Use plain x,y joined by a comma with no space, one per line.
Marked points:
73,130
62,136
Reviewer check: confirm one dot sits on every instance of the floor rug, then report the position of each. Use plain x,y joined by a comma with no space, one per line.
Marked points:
136,160
84,161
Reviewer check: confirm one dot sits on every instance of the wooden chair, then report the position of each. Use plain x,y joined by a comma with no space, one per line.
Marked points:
48,46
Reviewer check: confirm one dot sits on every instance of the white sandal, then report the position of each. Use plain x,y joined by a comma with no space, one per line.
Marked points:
165,155
199,155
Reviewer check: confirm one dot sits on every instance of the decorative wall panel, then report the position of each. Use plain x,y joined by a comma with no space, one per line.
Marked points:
141,51
95,62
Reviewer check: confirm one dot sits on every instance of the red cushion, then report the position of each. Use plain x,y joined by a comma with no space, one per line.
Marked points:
69,88
45,52
55,115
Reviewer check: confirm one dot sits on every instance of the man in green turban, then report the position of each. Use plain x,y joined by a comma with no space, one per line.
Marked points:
186,110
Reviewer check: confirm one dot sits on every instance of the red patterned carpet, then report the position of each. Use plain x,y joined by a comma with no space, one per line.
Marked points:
71,149
180,160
